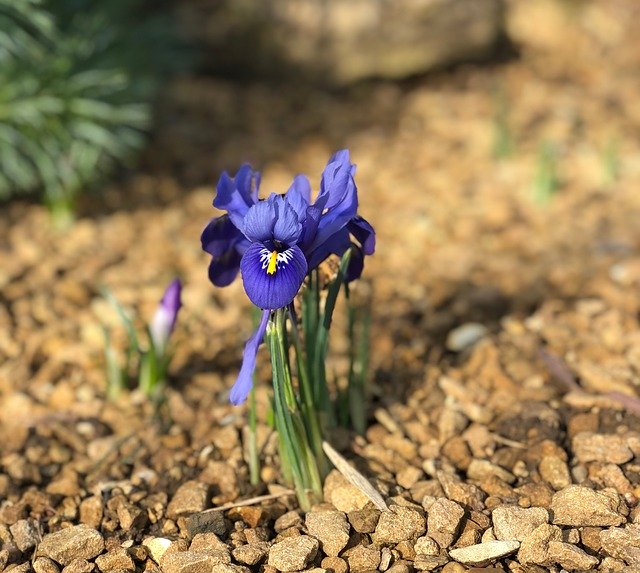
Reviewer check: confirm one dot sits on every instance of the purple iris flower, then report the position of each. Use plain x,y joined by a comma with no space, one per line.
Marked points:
277,241
164,319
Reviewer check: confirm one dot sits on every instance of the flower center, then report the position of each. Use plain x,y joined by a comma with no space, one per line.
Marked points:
273,260
273,263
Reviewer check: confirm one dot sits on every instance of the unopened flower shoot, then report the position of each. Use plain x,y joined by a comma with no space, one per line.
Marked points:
150,362
277,244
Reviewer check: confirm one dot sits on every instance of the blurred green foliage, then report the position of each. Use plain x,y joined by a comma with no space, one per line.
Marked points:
77,80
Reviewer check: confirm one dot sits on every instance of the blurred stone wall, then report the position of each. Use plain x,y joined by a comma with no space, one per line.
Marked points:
341,41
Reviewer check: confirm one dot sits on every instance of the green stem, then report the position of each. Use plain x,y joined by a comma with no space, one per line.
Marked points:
296,454
310,414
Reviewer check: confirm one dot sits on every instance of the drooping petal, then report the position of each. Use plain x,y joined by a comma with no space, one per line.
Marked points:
356,264
272,290
219,236
223,270
362,230
164,319
236,195
259,221
287,228
244,382
299,196
337,244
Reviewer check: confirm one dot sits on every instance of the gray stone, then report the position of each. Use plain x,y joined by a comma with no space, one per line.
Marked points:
512,522
24,534
77,542
207,522
581,506
399,524
293,553
330,528
465,336
484,553
443,521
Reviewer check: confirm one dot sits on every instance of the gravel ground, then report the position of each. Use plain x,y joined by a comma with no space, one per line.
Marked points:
505,419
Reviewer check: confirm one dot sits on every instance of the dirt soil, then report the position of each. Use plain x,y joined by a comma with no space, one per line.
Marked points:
513,445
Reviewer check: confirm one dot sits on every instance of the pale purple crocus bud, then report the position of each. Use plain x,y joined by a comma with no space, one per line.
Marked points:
165,317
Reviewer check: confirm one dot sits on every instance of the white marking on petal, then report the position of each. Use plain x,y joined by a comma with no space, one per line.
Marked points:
283,258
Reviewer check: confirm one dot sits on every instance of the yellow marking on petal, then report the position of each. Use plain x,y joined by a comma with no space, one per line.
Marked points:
273,261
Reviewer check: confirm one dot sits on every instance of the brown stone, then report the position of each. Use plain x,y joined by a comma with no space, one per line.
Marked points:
131,516
512,522
622,543
77,542
399,524
91,511
115,559
191,497
363,558
364,520
570,557
79,566
535,546
606,448
293,553
555,472
581,506
335,564
43,565
443,521
484,553
330,528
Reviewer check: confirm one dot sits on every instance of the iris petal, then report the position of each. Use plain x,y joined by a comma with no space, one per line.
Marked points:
223,270
287,228
337,244
336,217
299,196
236,195
244,382
362,230
219,236
259,221
356,264
276,290
335,178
